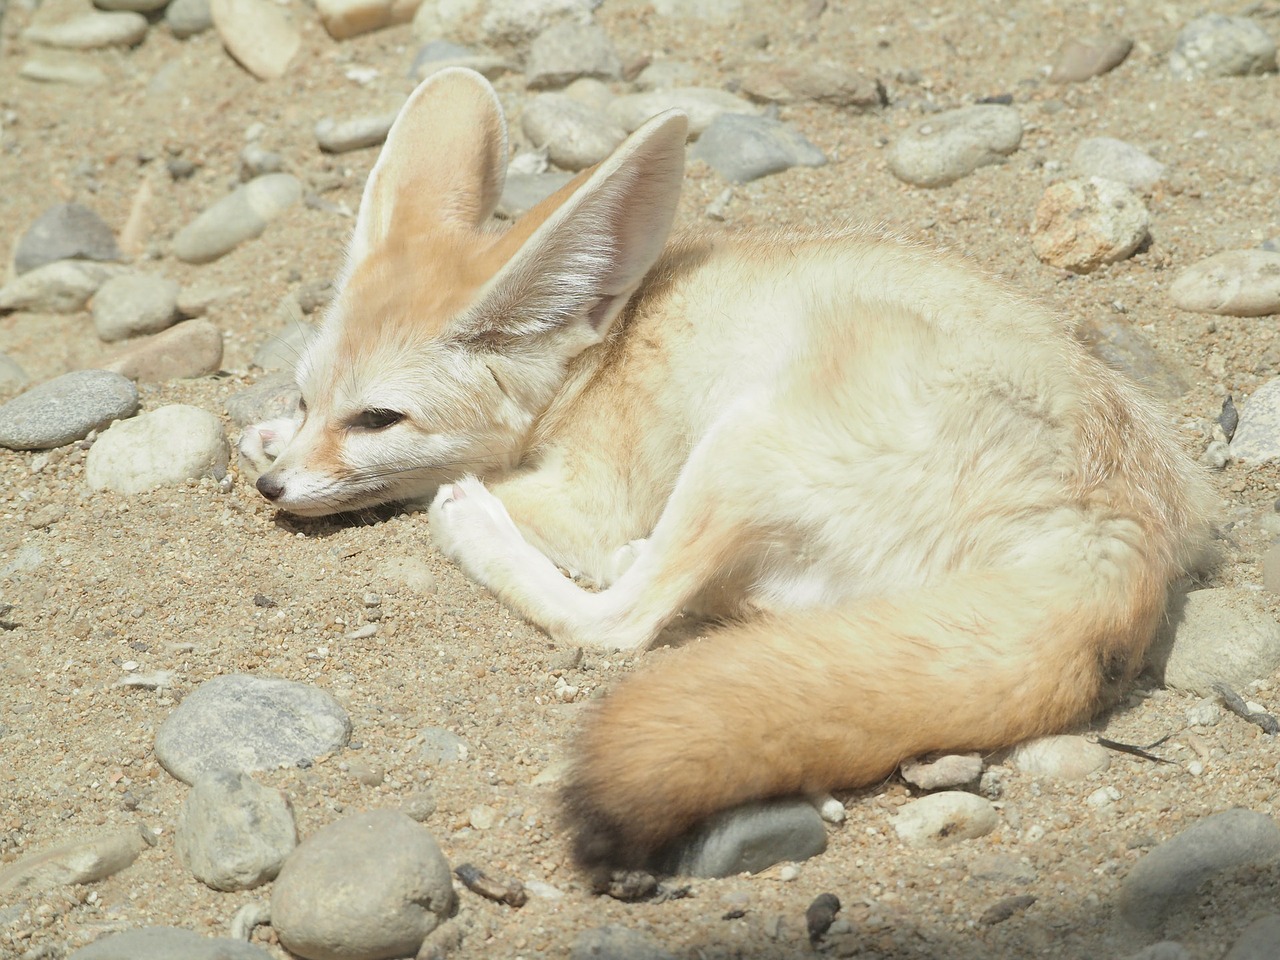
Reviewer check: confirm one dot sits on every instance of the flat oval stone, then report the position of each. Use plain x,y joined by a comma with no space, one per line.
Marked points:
1234,283
257,34
241,215
953,144
66,409
90,31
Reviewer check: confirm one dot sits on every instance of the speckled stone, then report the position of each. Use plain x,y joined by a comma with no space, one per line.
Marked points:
65,409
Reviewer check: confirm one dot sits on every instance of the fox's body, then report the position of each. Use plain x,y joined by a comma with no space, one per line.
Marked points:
934,521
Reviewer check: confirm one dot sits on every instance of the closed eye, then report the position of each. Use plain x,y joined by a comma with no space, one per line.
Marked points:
375,419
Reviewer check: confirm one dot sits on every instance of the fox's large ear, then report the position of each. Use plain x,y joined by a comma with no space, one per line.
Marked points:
444,162
578,256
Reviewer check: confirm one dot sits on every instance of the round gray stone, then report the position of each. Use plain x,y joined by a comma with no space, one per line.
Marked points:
1258,941
575,135
186,18
1117,160
241,215
749,839
91,31
368,887
133,304
167,943
343,136
170,445
567,51
63,286
246,723
66,409
1219,635
234,833
701,104
1219,46
68,231
953,144
742,148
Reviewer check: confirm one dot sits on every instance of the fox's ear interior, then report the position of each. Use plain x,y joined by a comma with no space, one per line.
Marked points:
444,162
577,257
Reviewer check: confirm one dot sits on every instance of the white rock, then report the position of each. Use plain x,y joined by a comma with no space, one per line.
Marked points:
950,145
133,304
1103,797
1219,635
63,286
1235,283
945,818
165,447
91,31
73,72
574,135
1116,160
715,11
1082,224
356,133
1062,757
257,34
1204,713
702,104
349,18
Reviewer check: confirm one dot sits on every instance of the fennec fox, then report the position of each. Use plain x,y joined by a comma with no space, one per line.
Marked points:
929,520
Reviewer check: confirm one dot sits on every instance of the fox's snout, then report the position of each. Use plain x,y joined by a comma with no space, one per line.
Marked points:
270,487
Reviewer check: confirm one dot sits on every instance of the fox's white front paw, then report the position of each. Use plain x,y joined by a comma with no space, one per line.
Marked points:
472,527
261,443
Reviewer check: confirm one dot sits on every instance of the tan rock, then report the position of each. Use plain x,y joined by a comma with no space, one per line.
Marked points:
190,349
350,18
257,34
81,861
1082,224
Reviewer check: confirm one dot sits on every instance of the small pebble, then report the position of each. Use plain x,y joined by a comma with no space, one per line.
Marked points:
357,133
574,135
750,838
1082,58
701,104
233,833
941,773
67,231
1116,160
742,148
1217,635
350,18
185,351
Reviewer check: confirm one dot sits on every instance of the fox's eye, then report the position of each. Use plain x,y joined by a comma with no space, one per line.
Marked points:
376,419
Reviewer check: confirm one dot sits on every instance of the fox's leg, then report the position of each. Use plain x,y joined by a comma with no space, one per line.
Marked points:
261,443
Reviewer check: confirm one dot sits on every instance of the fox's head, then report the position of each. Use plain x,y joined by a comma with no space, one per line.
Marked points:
447,339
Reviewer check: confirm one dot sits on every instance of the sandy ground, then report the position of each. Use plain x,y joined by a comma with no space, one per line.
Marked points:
167,580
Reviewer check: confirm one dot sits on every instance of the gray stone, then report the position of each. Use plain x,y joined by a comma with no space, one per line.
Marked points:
616,943
74,72
65,409
574,135
167,943
186,18
1062,757
824,81
369,886
943,818
749,839
188,350
742,148
281,351
1082,224
1117,160
1218,46
591,93
274,396
1121,346
523,191
702,104
516,22
567,51
950,770
343,136
256,160
241,215
1219,635
68,231
950,145
133,304
246,723
1257,436
441,54
441,746
257,34
1258,941
165,447
80,861
91,31
665,75
61,287
233,833
12,376
195,300
1234,283
1082,58
1163,882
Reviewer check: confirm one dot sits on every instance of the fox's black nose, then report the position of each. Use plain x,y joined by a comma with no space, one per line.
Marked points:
270,487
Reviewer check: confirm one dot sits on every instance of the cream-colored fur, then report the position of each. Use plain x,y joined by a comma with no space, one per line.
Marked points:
932,521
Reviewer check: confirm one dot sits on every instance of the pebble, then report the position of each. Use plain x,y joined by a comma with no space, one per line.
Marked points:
80,861
186,18
1234,283
68,231
516,22
12,376
1062,757
257,34
666,74
1204,713
702,104
950,770
65,409
186,351
439,746
1116,160
616,943
343,136
954,143
233,833
272,397
61,287
132,304
1160,884
1219,46
139,6
750,838
167,943
165,447
590,93
1084,223
945,818
1002,868
419,806
1117,343
742,148
350,18
1082,58
195,300
282,350
823,81
441,54
91,31
523,191
1218,635
247,723
241,215
1258,941
569,51
256,160
574,135
1257,435
256,913
74,72
369,886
